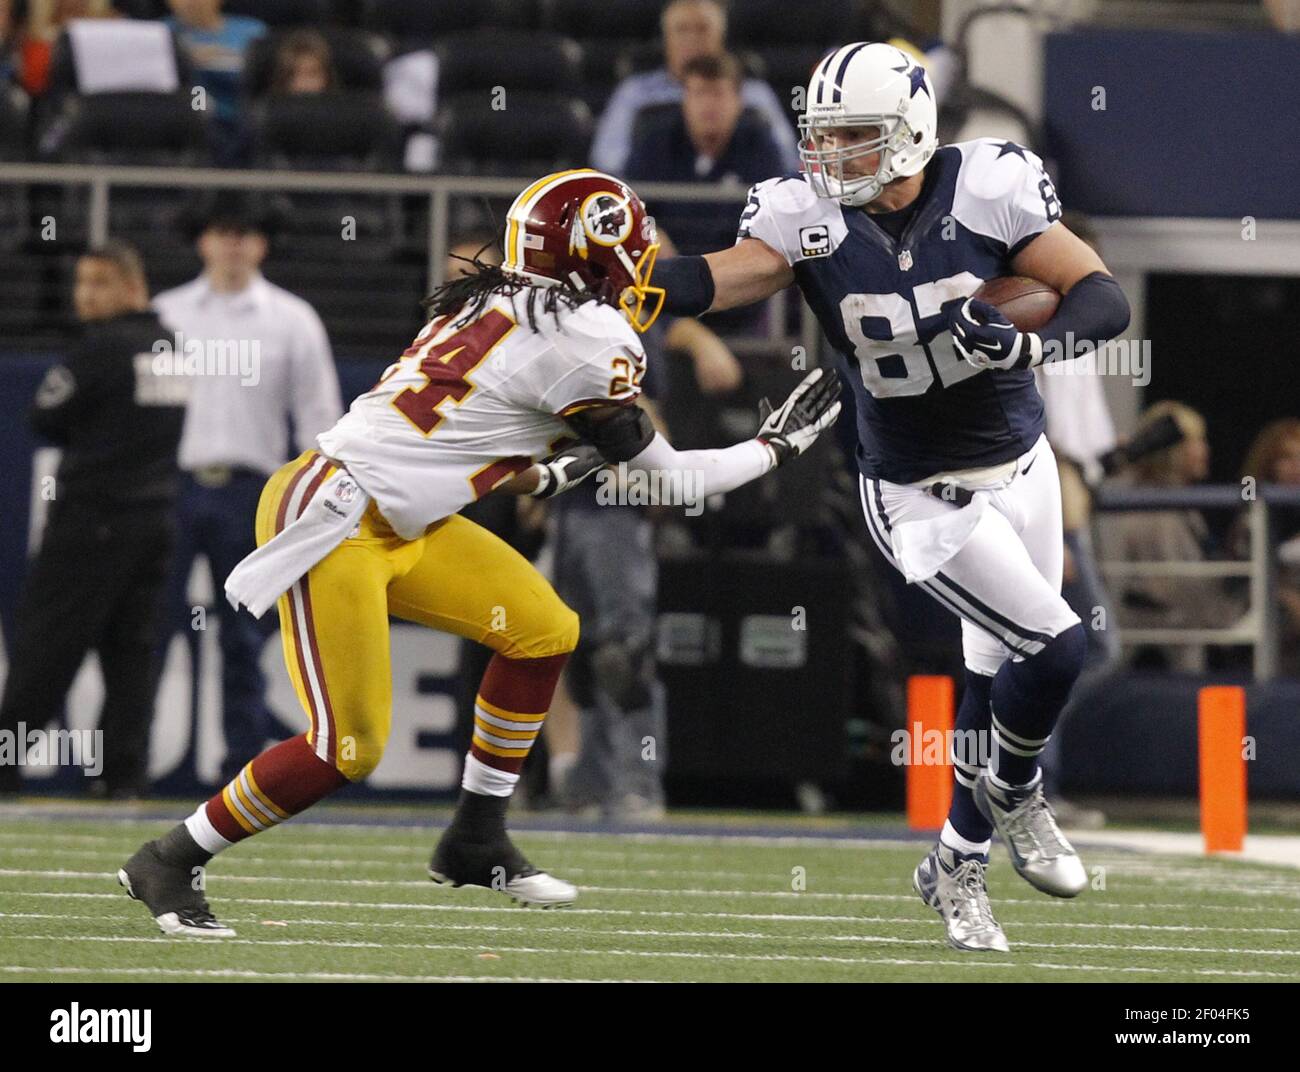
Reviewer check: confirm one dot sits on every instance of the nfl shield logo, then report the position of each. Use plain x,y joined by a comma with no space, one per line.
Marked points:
905,260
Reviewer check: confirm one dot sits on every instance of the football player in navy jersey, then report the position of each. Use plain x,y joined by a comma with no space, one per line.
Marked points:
887,235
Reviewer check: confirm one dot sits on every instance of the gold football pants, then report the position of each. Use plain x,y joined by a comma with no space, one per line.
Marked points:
457,577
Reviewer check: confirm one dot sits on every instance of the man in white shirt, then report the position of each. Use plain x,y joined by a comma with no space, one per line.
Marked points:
258,356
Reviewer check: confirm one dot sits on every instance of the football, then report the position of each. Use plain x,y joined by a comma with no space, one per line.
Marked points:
1026,302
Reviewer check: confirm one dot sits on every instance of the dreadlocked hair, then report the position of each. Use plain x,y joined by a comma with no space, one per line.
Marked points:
469,294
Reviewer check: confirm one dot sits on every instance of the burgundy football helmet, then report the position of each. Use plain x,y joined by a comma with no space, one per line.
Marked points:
589,230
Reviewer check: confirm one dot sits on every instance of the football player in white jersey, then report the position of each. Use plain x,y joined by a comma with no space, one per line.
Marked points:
537,359
887,234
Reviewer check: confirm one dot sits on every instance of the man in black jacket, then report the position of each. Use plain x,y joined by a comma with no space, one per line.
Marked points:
115,406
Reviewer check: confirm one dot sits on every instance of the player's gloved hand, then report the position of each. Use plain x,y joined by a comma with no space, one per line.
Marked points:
565,469
987,339
809,410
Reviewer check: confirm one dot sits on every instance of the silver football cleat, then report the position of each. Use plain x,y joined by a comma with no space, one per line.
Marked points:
1039,852
958,892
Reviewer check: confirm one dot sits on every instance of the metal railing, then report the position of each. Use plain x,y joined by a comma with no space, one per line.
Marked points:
101,180
1259,627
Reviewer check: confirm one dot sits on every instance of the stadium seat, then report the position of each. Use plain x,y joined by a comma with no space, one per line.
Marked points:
135,128
536,133
13,196
519,61
357,55
13,127
281,12
415,23
600,60
604,18
155,129
768,22
329,131
787,66
142,9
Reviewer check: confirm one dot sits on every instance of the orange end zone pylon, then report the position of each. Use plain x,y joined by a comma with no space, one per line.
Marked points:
929,762
1222,718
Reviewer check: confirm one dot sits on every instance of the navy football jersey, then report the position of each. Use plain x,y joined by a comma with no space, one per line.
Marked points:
921,409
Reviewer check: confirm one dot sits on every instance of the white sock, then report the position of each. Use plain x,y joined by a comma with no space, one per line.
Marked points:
953,840
487,781
993,777
204,833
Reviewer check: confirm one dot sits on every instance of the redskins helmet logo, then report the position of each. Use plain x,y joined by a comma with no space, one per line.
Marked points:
606,219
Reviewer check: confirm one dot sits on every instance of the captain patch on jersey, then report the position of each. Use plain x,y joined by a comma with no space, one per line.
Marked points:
878,281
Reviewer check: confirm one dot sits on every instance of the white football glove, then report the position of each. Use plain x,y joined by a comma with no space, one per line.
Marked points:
808,411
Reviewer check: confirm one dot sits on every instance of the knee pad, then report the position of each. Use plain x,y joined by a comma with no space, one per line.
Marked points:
358,754
555,632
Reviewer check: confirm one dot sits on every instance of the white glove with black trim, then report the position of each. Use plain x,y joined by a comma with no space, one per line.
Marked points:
808,411
565,469
987,339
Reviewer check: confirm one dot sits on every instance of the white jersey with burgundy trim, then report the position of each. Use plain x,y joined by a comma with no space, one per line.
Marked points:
466,408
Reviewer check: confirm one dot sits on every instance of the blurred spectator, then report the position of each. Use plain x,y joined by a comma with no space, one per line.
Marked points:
266,359
303,64
1274,458
717,370
711,140
8,34
691,28
411,93
102,565
1284,14
605,568
46,19
1164,536
216,45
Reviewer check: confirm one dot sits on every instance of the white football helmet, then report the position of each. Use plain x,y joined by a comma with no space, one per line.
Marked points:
867,84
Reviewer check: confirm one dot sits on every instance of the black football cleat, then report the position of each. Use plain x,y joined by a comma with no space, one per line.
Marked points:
167,891
475,850
497,865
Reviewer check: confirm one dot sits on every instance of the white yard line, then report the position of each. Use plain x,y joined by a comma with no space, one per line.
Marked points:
447,947
542,922
653,891
1041,902
858,939
339,977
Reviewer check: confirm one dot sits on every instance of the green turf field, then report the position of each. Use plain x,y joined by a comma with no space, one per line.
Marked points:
350,902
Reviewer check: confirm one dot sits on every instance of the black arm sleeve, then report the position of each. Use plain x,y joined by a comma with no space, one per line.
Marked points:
1094,310
619,438
688,285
